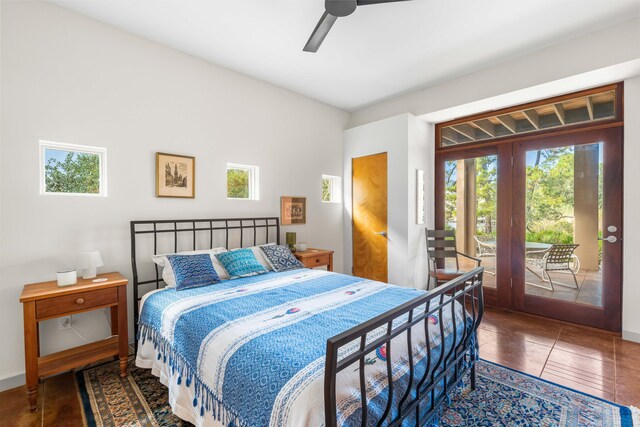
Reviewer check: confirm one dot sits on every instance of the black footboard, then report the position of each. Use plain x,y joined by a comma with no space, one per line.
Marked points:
424,395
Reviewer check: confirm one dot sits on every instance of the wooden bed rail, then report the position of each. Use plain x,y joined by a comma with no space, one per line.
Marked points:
447,369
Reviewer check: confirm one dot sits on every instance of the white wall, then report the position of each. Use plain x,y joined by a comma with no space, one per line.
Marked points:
390,136
70,79
403,138
417,153
595,51
631,200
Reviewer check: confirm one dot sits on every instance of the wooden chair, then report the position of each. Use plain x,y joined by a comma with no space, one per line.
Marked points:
441,245
557,258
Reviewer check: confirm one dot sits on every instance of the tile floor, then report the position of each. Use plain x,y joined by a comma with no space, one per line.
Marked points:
589,360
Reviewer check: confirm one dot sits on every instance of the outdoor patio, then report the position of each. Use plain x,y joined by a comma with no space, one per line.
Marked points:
589,282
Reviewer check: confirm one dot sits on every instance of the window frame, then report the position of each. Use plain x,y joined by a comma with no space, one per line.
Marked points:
335,188
254,180
43,145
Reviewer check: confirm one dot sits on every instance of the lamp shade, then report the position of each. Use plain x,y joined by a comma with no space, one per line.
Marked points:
91,259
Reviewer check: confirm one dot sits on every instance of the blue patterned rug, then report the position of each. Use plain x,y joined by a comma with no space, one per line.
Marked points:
503,397
506,397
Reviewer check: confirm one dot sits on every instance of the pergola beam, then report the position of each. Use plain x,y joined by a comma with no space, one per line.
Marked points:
485,126
508,122
559,109
590,107
465,129
449,135
533,118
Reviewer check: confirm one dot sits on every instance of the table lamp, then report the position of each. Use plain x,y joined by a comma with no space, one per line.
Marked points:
291,240
89,262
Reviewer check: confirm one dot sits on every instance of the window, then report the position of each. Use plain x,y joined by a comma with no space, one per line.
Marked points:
72,170
242,182
331,189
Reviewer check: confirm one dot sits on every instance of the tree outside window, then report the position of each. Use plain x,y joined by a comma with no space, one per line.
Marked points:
72,170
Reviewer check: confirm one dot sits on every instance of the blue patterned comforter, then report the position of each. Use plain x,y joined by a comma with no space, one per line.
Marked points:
251,351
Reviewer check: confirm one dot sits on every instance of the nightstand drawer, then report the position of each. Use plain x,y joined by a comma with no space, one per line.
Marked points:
78,302
316,261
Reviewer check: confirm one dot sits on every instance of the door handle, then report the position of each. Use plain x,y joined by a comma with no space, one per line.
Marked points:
381,233
610,239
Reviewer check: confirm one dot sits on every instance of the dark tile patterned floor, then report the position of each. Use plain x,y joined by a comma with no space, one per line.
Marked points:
589,360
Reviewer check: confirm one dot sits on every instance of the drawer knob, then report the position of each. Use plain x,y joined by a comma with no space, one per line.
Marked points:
80,301
317,259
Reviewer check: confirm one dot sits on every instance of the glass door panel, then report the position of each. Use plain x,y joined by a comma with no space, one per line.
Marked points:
471,194
563,223
566,251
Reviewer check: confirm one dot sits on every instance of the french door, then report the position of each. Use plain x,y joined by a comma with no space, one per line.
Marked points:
474,198
567,227
545,217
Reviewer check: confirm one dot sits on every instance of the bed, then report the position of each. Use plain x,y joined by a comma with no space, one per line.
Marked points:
301,347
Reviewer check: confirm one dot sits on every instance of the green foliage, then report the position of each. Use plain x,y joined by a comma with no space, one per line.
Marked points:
237,184
555,237
78,173
486,192
550,192
326,190
450,197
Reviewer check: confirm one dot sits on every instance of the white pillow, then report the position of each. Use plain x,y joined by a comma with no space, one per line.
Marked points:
167,272
257,252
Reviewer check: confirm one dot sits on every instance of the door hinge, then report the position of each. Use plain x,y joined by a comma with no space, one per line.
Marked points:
511,160
511,282
511,222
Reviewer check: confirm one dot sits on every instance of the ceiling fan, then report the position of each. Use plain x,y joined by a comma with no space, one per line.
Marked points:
335,9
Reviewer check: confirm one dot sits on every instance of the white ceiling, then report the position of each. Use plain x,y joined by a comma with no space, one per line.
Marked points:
377,52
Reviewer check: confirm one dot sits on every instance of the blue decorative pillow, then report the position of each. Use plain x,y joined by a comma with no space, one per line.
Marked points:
193,270
280,257
241,263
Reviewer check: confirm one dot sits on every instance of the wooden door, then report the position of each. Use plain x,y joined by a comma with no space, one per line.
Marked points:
369,181
591,293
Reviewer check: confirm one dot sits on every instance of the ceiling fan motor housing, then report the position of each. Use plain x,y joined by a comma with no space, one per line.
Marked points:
340,8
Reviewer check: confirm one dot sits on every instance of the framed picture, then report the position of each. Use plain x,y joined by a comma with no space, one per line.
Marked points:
175,175
293,210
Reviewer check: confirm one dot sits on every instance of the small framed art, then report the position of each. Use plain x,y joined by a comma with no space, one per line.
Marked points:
175,175
293,210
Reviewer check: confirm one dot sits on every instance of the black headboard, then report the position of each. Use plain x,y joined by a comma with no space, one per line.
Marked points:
174,235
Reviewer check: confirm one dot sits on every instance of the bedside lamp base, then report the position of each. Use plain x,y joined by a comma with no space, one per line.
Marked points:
90,273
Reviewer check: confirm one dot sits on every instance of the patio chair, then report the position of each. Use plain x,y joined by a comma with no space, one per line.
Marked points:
556,259
441,245
485,250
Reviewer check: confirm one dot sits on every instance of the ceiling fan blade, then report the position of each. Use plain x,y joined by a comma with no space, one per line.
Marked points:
368,2
320,32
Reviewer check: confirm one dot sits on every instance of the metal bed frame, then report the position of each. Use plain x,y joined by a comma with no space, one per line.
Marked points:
448,369
195,227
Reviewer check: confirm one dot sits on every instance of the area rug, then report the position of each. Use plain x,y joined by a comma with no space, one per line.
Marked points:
503,397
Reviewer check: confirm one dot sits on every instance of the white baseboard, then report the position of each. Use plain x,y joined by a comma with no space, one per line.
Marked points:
631,336
12,382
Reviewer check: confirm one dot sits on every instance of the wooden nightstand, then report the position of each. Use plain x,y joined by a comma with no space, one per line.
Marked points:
312,258
43,301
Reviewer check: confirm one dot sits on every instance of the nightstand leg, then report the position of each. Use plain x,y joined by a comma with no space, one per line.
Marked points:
114,320
31,353
330,266
123,341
